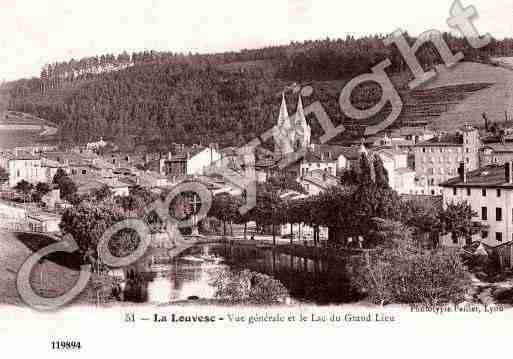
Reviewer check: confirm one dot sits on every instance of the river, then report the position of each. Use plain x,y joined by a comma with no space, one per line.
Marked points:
191,275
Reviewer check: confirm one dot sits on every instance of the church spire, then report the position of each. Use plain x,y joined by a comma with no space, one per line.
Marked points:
300,113
284,114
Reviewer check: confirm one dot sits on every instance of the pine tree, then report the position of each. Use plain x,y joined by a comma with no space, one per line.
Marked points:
381,173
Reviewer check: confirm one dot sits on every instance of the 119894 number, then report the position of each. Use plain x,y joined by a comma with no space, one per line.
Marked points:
66,345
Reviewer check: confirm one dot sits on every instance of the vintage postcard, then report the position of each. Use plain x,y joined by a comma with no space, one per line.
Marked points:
234,178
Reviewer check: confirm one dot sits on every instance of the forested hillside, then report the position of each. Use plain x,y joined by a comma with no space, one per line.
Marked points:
155,98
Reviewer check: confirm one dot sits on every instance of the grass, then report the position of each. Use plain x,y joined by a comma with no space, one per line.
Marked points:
59,271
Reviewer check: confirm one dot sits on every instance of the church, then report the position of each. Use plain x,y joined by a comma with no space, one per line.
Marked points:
291,133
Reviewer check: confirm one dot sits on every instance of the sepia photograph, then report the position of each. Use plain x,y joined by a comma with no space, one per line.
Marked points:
295,166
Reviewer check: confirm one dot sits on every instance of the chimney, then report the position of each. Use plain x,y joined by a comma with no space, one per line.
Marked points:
508,172
462,172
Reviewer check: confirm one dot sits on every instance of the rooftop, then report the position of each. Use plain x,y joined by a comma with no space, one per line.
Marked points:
487,176
447,139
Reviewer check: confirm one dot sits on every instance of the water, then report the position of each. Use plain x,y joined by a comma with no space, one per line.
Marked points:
191,275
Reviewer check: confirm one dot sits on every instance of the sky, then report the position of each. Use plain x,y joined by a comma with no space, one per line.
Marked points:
36,32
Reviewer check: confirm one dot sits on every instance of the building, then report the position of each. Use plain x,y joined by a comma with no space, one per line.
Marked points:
88,184
317,181
96,145
401,178
495,153
437,159
330,158
25,166
489,191
191,161
291,133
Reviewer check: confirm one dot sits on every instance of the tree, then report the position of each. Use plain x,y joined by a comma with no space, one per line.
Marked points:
225,208
366,173
87,222
24,187
66,186
102,193
381,174
43,188
400,271
456,219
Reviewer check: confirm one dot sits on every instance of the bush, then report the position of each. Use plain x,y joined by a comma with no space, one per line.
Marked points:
403,273
247,287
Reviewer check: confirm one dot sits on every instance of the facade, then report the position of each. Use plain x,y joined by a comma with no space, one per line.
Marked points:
314,182
495,153
25,167
330,158
489,191
401,178
437,159
192,161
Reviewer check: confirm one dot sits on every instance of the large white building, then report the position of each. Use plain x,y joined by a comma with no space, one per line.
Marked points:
489,191
26,167
437,159
401,178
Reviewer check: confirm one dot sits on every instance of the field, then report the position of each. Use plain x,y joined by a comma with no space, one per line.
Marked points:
21,129
455,96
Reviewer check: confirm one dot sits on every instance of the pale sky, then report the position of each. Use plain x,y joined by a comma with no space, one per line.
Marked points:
36,32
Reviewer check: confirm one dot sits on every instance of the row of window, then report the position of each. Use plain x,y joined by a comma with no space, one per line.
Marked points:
484,191
498,214
484,235
440,149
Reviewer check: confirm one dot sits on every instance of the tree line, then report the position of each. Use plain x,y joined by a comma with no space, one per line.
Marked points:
156,98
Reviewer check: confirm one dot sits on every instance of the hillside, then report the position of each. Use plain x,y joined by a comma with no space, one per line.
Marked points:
19,129
230,98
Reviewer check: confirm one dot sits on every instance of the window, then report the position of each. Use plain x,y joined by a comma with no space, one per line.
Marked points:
432,192
17,173
84,172
498,192
483,192
468,191
498,236
424,149
484,234
454,191
498,214
484,213
454,238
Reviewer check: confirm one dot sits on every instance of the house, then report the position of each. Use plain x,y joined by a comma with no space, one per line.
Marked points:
401,178
437,159
495,153
96,145
317,181
489,191
44,221
12,217
191,161
25,166
88,184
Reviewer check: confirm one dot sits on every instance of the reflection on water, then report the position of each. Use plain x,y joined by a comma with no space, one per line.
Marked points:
191,275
